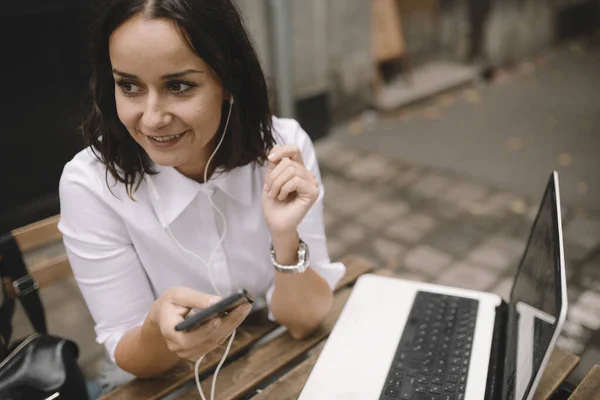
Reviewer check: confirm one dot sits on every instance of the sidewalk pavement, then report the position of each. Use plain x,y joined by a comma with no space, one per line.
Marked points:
434,226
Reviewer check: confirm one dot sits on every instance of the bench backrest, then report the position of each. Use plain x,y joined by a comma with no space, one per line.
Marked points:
41,246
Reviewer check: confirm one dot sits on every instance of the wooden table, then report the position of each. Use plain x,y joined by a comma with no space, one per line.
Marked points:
278,368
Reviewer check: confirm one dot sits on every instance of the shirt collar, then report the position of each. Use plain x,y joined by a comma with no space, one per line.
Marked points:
172,192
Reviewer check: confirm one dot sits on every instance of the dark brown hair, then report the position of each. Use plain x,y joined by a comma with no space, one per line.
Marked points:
215,32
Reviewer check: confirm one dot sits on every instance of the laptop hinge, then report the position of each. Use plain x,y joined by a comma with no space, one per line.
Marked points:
496,366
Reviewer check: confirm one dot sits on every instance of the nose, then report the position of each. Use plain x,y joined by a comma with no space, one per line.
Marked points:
155,114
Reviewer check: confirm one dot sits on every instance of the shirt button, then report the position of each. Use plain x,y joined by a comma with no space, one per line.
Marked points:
208,190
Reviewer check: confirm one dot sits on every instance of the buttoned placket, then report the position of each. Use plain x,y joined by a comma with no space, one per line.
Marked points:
219,269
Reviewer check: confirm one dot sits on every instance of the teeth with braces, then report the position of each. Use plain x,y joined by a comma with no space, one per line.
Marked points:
164,139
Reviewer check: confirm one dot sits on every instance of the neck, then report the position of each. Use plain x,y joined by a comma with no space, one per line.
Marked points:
195,168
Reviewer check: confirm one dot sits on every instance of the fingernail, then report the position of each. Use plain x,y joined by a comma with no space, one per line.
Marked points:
266,187
213,301
271,156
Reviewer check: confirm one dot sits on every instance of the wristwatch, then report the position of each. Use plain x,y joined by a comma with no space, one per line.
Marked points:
300,267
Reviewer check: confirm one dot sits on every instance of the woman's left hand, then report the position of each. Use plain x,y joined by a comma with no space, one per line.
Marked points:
289,191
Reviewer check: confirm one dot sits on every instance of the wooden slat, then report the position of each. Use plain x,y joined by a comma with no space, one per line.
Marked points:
589,388
50,271
38,234
355,267
561,364
289,386
45,273
247,373
249,333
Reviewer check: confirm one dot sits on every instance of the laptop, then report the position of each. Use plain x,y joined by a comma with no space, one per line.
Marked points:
399,339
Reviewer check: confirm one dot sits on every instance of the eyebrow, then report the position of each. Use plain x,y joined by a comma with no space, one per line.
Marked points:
164,77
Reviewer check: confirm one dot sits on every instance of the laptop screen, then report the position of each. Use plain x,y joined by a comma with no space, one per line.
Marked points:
535,301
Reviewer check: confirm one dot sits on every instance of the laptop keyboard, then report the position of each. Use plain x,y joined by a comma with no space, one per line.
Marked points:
432,358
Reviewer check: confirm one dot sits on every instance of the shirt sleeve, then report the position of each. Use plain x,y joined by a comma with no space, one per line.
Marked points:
312,227
102,257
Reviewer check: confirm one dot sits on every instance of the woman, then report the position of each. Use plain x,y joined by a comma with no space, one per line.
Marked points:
186,186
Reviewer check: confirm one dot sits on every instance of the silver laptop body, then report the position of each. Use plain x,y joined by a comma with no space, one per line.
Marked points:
501,348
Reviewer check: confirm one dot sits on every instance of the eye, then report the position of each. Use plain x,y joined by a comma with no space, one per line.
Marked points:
180,87
128,88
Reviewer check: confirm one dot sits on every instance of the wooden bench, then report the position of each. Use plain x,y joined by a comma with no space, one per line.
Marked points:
279,368
41,246
254,328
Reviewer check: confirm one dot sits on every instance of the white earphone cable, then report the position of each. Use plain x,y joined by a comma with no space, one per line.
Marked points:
214,380
207,264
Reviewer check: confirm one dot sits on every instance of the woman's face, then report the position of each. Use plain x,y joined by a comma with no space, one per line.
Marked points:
167,97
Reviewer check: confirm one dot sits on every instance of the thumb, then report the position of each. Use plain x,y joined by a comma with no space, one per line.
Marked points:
190,298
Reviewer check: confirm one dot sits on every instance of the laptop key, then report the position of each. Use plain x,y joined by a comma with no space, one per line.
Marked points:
421,388
391,392
450,387
437,389
448,396
399,365
398,374
428,396
407,389
438,380
452,378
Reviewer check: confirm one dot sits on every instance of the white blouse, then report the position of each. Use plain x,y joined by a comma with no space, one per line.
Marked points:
125,254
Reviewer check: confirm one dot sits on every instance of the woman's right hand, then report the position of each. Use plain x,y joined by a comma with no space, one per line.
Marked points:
173,306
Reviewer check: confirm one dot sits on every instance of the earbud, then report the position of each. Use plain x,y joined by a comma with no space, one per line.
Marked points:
231,101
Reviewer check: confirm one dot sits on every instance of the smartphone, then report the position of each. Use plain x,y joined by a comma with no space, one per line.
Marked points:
216,310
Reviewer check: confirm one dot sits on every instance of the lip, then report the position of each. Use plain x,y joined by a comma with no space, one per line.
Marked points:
172,143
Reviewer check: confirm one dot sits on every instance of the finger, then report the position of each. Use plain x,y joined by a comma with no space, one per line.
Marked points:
190,298
290,151
280,177
296,184
198,337
279,168
231,322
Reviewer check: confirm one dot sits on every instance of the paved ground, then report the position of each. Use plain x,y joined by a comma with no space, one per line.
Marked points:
543,115
436,226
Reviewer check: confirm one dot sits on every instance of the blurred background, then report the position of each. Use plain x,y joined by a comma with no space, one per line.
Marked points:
437,124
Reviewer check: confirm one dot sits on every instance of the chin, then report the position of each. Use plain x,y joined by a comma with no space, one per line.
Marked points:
165,160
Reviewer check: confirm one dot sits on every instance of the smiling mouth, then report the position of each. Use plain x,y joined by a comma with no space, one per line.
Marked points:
166,139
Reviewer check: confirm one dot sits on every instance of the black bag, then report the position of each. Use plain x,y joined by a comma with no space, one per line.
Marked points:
41,366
